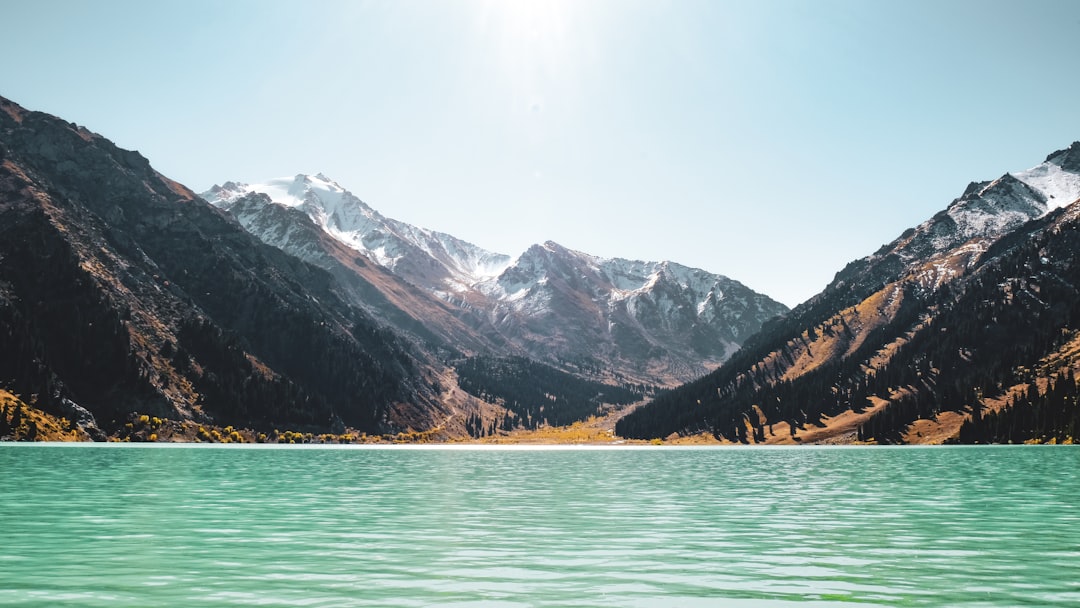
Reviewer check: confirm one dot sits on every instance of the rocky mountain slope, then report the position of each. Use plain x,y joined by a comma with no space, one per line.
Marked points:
920,336
121,291
656,322
425,258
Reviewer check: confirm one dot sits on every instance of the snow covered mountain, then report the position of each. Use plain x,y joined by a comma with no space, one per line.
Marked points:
942,247
424,257
998,206
650,321
558,300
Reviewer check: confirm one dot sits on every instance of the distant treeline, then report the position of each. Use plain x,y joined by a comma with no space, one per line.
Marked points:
536,394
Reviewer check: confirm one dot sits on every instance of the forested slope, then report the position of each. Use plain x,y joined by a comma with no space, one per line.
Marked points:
932,323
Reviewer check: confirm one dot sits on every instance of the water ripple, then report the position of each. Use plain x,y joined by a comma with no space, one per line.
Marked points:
227,526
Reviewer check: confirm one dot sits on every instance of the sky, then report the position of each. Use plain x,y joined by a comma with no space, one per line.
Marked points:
771,141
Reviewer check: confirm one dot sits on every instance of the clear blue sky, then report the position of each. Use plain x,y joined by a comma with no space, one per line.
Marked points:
771,141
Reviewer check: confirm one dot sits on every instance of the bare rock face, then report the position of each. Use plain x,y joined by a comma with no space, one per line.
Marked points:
641,318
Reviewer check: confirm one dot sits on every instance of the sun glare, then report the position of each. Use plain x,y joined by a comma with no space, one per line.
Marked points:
532,20
534,44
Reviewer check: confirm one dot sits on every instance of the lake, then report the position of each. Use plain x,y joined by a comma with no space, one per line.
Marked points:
200,526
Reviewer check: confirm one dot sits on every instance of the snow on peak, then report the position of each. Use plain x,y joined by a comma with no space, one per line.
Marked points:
995,207
527,283
1058,178
227,192
391,243
992,208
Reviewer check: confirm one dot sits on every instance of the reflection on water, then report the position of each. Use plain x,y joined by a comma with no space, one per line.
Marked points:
304,526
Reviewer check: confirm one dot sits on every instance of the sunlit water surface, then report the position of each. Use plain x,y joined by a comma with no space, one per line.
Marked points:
306,526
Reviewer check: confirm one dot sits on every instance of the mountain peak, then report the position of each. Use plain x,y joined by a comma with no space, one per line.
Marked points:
546,249
654,320
12,109
990,208
225,191
423,257
1057,178
1068,159
973,189
554,247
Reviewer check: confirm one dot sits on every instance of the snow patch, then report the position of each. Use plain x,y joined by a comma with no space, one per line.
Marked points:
1058,185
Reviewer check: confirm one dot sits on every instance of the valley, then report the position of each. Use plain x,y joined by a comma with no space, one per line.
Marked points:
292,306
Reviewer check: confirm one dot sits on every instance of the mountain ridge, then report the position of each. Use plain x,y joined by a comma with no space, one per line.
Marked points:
121,291
657,322
835,350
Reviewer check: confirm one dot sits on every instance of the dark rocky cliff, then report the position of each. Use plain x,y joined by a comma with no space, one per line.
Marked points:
121,291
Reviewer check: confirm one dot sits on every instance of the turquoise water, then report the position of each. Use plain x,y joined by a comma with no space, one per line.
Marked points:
96,525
